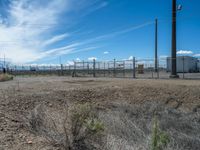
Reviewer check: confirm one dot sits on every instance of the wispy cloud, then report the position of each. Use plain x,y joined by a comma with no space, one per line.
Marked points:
130,58
78,59
97,6
197,55
28,29
185,52
123,31
106,52
92,58
117,33
55,39
70,63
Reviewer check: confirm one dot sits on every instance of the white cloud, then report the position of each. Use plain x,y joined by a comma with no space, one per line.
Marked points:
55,39
92,58
70,63
127,59
27,26
106,52
78,59
29,29
26,32
184,52
130,58
197,55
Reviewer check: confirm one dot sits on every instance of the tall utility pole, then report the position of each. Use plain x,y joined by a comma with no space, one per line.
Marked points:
173,52
156,45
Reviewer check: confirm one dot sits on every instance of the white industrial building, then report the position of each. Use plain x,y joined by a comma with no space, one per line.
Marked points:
198,65
185,64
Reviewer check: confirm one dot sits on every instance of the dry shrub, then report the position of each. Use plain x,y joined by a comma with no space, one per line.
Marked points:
130,127
81,125
78,128
5,77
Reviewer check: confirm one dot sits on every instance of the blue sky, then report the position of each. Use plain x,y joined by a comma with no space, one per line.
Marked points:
48,31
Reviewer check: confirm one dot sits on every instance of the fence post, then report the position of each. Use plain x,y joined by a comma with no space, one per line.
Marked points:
133,67
108,69
15,70
114,71
50,69
124,68
158,74
98,70
61,66
83,65
69,69
88,68
183,67
94,68
74,73
104,66
83,68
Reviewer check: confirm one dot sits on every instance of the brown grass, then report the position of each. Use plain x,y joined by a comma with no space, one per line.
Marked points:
76,131
5,77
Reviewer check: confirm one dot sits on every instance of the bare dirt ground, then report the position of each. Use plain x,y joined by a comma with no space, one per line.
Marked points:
179,100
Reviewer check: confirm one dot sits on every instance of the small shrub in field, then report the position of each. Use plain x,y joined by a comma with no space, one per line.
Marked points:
81,125
79,128
159,138
94,125
5,77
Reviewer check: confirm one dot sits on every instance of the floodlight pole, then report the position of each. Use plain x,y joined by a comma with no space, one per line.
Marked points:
156,45
173,51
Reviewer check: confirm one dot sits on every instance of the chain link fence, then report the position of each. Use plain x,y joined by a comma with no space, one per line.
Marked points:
187,68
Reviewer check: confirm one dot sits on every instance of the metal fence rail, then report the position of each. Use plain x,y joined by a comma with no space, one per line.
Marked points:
187,68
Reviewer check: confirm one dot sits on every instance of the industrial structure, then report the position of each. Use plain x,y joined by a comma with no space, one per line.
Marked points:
186,64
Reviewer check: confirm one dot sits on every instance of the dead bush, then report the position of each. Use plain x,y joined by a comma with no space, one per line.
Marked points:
76,129
5,77
132,127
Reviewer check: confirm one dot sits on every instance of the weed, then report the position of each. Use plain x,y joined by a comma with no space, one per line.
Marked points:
159,138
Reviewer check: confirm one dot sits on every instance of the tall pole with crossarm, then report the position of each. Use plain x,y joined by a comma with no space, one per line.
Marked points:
173,51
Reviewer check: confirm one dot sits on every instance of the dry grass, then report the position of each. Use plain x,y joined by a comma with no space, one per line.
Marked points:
5,77
127,127
127,109
76,130
133,128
